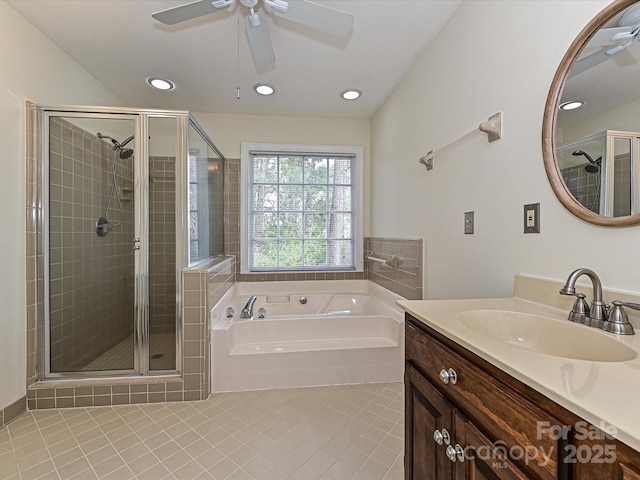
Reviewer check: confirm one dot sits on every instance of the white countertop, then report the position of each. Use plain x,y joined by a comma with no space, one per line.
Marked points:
604,393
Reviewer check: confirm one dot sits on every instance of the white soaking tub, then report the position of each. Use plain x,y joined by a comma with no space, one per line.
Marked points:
329,332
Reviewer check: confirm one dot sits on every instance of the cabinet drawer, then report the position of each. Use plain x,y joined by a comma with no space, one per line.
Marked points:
504,415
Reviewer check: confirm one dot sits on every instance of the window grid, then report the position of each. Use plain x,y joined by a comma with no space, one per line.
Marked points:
266,184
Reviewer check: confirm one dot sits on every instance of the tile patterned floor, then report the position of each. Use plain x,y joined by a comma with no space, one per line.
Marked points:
341,433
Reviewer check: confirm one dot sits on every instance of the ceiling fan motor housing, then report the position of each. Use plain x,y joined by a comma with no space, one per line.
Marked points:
249,3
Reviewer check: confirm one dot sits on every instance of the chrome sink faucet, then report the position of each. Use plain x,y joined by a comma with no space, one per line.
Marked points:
596,314
247,311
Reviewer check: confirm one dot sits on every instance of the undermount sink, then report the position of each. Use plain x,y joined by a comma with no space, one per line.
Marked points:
549,336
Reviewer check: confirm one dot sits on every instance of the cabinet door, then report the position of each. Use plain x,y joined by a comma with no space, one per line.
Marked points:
602,457
481,459
628,473
426,411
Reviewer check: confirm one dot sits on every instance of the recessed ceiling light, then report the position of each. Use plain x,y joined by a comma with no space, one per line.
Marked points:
571,105
264,89
351,94
161,83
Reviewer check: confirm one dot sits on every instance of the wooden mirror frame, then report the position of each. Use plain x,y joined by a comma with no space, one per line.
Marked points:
550,118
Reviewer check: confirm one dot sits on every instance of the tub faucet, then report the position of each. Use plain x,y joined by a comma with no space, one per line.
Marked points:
247,311
597,312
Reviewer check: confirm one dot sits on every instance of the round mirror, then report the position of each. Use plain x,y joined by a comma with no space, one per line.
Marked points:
591,127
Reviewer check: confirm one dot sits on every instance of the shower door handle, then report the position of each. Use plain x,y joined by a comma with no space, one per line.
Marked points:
136,244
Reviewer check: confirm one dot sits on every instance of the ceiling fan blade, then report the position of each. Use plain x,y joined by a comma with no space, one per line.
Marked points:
259,39
589,62
608,36
327,20
191,10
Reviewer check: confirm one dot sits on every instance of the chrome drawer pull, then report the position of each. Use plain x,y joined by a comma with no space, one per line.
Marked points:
441,437
455,453
448,376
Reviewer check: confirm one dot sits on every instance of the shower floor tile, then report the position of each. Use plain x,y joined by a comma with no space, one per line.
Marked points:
329,433
162,348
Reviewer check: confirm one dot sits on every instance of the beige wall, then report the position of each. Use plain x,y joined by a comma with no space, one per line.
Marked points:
33,69
491,56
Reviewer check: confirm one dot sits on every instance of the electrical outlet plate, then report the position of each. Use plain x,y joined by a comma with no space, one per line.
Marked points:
468,223
532,218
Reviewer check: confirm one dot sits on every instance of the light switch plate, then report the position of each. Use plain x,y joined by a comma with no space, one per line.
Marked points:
532,218
468,223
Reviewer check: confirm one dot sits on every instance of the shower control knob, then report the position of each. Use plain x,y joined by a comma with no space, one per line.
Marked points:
448,376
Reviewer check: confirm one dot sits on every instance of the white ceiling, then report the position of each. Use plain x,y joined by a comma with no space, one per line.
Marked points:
121,45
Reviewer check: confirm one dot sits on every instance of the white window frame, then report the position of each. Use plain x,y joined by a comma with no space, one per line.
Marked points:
356,152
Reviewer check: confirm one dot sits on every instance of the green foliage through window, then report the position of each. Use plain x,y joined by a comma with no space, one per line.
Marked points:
301,212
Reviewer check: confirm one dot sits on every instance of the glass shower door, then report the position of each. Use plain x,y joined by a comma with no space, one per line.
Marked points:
91,224
162,238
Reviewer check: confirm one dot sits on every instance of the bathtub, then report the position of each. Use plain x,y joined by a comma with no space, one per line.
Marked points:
313,333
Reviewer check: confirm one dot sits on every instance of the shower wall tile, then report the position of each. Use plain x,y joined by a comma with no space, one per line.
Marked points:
88,273
162,245
204,284
232,237
406,280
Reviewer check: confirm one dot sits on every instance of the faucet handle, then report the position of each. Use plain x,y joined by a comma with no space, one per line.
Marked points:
635,306
618,321
580,310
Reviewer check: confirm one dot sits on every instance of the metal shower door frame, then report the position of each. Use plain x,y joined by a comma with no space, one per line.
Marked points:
140,242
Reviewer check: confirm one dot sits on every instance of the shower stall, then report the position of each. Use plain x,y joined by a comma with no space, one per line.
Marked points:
601,172
129,198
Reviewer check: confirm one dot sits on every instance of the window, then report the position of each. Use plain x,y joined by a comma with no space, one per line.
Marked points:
301,209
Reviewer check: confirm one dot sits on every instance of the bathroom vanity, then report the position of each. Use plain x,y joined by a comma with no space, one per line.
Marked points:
477,406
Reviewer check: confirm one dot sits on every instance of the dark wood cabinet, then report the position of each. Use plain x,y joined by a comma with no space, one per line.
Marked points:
429,413
482,459
468,420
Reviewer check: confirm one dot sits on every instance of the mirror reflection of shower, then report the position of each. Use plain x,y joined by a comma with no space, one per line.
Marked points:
103,227
592,167
597,170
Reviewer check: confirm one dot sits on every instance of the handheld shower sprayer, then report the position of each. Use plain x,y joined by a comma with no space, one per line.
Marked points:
103,227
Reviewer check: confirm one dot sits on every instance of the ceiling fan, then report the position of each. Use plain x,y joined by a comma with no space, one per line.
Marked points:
313,15
610,41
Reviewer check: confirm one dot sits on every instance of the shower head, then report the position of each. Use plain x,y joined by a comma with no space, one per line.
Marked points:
126,153
578,153
593,166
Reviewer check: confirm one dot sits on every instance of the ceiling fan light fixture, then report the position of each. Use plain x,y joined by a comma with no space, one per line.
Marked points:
161,83
571,105
351,94
264,89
